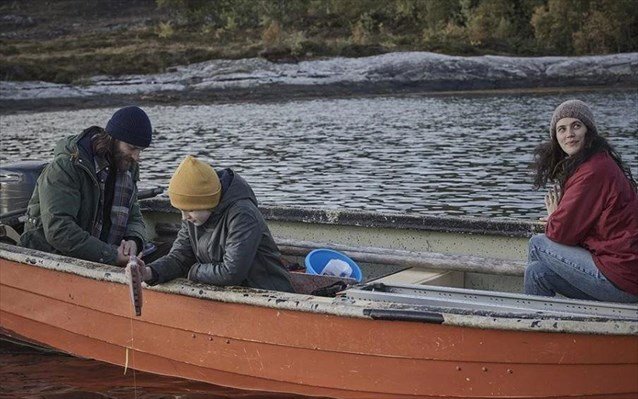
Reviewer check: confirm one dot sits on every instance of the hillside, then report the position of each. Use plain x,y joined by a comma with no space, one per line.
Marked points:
69,41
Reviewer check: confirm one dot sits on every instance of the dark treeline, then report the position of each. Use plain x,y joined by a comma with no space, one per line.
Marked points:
72,40
517,27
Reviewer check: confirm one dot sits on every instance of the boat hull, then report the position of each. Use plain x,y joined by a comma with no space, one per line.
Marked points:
269,348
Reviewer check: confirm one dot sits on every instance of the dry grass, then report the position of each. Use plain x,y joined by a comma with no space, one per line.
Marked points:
69,41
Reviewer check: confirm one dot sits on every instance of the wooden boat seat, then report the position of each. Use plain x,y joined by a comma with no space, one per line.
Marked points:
420,276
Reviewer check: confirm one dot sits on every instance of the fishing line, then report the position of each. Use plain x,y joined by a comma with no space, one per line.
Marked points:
132,358
135,290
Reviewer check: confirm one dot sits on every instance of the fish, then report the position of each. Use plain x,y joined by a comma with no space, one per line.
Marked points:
134,279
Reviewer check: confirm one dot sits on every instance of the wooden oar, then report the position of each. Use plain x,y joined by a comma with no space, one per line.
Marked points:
426,260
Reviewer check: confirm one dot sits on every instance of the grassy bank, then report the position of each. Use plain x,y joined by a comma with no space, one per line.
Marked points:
69,40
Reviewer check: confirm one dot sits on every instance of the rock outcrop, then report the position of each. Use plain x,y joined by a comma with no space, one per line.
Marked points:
392,72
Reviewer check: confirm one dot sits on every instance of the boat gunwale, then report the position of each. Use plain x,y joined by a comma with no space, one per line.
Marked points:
508,227
330,306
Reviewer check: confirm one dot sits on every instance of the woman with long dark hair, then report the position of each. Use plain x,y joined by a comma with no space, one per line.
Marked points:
590,246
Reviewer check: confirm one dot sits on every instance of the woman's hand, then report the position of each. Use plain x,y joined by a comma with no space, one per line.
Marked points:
552,198
140,268
144,270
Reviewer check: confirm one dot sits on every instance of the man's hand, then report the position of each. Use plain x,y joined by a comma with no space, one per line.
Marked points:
126,249
552,198
121,259
129,247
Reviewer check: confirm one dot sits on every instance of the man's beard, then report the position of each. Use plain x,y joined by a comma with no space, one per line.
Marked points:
122,162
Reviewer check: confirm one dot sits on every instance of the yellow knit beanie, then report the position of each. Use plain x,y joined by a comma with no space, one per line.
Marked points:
194,186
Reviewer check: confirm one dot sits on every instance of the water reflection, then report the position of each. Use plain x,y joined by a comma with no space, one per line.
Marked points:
425,155
27,372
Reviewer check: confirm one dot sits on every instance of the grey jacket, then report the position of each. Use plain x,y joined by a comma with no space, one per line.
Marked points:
233,247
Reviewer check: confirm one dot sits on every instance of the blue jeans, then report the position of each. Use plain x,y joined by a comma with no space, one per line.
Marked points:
554,268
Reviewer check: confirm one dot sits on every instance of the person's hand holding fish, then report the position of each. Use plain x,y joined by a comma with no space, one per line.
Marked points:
136,271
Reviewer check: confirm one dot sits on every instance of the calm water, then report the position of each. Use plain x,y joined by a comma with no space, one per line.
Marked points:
26,372
425,155
417,154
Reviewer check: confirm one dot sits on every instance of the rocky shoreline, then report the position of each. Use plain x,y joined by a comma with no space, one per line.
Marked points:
256,79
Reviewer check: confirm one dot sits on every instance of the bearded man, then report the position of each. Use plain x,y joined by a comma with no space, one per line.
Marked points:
85,202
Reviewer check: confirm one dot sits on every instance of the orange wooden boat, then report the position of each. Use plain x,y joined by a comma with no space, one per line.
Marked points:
375,340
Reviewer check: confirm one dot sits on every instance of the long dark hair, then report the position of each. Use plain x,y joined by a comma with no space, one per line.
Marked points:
551,163
101,142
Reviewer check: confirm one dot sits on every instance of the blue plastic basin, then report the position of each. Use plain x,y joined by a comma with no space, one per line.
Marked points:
317,259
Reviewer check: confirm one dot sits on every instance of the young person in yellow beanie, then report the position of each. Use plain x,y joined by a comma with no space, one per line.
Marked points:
224,239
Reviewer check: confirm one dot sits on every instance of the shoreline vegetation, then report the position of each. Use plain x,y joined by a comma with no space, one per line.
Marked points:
70,41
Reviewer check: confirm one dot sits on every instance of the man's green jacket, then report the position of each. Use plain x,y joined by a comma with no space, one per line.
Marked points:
64,207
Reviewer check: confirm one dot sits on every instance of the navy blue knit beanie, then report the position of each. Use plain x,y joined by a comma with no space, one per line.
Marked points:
131,125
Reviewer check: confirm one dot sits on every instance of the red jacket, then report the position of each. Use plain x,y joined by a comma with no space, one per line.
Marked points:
599,212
